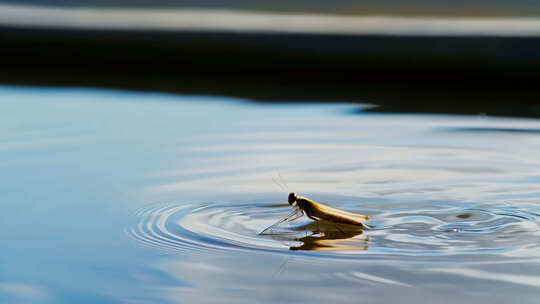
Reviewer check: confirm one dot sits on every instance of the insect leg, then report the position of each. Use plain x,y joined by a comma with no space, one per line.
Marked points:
279,222
315,219
295,218
309,214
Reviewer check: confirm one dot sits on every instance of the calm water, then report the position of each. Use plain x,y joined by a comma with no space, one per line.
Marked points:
120,197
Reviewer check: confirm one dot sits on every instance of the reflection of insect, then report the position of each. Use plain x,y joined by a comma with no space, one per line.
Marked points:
317,211
333,240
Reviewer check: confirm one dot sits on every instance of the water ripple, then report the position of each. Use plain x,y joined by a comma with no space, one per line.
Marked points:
436,231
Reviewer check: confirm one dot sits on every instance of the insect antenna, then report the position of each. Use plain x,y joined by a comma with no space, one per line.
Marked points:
282,267
283,181
279,185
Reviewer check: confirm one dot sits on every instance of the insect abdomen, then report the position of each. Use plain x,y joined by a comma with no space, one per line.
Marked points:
313,210
339,219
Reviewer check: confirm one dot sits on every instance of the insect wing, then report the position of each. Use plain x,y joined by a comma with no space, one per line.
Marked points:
333,211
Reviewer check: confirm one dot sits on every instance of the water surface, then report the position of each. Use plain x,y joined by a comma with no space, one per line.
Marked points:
123,197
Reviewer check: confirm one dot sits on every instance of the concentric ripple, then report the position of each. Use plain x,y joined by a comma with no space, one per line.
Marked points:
452,230
200,227
424,231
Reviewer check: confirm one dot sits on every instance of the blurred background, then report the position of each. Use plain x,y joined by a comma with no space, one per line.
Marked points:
141,145
435,56
364,7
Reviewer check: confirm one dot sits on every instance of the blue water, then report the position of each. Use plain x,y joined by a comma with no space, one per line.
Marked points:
129,197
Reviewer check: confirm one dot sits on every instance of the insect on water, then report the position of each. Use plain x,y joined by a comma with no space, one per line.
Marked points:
317,211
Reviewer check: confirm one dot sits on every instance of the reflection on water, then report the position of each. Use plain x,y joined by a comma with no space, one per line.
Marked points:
437,229
329,236
121,197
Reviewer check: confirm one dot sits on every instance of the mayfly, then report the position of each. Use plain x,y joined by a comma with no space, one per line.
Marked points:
317,211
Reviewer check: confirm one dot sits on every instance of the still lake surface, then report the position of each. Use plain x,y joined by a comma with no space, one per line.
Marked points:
129,197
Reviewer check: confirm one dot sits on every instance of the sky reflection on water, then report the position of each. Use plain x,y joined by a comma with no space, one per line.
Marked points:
123,197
